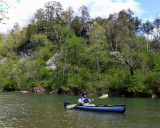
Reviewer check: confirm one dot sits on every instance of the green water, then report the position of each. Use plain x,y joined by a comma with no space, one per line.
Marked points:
19,110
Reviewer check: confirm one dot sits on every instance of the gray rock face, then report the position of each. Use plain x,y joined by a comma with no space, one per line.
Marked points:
26,50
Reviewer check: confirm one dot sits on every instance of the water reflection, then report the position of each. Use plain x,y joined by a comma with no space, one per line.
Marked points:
109,115
94,119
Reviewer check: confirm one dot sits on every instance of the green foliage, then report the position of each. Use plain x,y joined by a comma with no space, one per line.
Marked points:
138,86
26,83
43,53
77,26
76,83
9,85
147,27
44,73
153,81
118,79
96,55
75,47
31,30
156,56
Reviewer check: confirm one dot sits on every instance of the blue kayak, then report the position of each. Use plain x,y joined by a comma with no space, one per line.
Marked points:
100,107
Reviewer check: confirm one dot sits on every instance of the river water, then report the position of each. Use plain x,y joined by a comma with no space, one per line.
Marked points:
18,110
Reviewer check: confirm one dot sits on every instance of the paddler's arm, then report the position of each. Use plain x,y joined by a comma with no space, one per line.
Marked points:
81,101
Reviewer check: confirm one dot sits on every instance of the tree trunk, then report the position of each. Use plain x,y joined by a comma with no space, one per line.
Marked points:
18,82
73,70
147,45
115,45
98,65
57,72
65,59
131,70
130,67
111,43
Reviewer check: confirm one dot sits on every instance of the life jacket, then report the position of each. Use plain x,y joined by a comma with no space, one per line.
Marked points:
86,100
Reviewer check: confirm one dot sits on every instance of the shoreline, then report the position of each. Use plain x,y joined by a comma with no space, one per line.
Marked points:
70,94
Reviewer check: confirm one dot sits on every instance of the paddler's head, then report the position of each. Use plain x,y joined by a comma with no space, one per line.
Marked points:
84,94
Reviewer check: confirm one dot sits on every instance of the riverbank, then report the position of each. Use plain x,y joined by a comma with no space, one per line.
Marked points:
71,94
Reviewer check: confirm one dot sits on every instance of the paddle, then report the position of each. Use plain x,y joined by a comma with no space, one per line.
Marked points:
73,105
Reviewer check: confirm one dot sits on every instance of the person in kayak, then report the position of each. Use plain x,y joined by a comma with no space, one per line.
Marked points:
84,100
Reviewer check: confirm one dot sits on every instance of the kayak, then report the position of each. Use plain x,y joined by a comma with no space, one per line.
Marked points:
99,107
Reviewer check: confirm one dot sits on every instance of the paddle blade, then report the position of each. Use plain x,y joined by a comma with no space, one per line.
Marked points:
71,106
103,96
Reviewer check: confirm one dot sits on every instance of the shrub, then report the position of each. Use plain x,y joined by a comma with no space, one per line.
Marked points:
9,85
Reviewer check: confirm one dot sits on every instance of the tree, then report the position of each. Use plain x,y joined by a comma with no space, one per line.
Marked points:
84,13
132,53
111,33
74,48
121,24
100,20
77,26
97,41
12,41
31,30
66,34
156,24
156,61
147,27
39,15
10,73
125,18
53,9
68,16
85,20
40,20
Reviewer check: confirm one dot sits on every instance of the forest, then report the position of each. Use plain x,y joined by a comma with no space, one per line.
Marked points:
68,53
